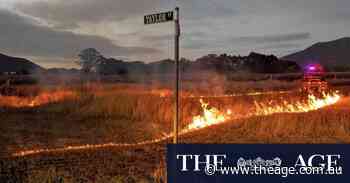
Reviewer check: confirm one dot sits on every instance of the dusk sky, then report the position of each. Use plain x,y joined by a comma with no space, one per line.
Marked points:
52,32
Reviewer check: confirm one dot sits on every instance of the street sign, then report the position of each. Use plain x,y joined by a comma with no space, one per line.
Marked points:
159,18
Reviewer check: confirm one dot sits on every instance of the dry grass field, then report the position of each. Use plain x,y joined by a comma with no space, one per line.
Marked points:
130,113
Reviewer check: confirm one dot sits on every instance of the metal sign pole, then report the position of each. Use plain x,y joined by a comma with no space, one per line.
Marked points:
177,38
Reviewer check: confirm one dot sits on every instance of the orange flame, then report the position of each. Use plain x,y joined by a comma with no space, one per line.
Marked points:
212,116
41,99
313,103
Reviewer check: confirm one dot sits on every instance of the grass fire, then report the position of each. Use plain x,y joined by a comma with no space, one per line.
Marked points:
208,116
35,101
212,116
89,118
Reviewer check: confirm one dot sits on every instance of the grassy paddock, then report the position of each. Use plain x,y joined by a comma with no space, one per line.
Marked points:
128,113
108,113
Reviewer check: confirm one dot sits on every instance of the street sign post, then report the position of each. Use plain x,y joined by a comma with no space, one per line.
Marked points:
177,84
161,18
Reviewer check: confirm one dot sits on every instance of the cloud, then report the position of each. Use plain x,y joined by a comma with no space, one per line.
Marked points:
22,36
188,38
280,41
203,9
274,38
281,46
70,13
225,24
157,38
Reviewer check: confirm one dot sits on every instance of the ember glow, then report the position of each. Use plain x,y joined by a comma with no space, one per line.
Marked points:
89,146
41,99
238,94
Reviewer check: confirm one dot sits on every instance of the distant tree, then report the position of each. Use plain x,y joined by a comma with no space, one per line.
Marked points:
89,59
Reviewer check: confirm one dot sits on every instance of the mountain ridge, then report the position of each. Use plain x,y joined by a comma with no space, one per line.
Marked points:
17,65
329,53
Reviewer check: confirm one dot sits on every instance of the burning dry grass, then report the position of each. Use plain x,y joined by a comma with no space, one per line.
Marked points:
83,116
41,99
100,114
311,104
96,114
120,114
212,116
328,125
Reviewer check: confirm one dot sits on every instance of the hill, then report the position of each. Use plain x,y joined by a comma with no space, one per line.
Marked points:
330,54
10,64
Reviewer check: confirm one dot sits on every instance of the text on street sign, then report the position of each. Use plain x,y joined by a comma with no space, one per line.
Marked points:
159,17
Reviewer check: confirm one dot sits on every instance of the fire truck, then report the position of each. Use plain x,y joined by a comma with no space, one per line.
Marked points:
314,79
